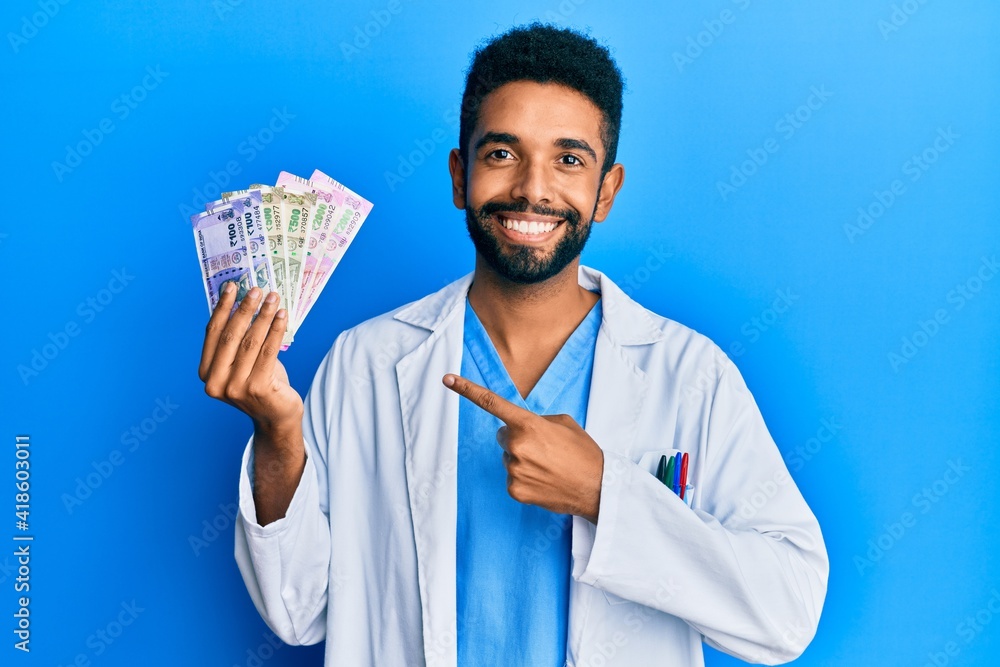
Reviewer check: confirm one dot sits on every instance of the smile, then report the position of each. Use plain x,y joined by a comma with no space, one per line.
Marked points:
528,229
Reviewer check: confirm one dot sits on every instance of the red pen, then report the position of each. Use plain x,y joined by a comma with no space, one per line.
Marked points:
684,474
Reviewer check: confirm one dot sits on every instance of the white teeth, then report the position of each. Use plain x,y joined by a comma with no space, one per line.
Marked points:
533,227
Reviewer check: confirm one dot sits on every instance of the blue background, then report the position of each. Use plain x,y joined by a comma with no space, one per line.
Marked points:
361,107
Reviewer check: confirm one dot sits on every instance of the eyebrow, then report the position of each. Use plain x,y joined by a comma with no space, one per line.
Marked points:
508,138
497,138
577,144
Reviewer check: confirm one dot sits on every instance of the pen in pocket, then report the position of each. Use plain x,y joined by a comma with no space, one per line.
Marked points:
672,471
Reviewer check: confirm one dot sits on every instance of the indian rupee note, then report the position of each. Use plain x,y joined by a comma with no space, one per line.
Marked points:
248,207
354,211
220,238
295,210
273,228
328,204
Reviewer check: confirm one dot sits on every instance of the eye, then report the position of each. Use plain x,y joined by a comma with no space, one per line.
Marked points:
499,154
572,160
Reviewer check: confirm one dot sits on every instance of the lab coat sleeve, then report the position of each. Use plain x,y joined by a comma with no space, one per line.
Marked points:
286,564
748,569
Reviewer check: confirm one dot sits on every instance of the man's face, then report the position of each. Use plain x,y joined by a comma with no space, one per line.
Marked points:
532,185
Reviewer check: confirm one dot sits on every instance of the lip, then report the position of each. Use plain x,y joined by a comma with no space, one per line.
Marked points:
528,239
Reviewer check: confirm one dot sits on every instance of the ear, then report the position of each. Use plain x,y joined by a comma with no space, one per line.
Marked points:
457,169
612,183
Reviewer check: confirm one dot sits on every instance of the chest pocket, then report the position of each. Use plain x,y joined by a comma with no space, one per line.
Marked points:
648,461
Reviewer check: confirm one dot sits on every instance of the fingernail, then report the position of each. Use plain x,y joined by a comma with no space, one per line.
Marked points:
281,314
253,293
229,287
272,297
449,380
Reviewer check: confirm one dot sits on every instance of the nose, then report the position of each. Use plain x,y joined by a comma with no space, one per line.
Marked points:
533,182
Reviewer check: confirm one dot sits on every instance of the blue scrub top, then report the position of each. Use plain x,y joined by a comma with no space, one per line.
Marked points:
513,560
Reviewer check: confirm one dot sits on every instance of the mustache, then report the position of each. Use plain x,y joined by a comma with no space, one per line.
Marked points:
494,207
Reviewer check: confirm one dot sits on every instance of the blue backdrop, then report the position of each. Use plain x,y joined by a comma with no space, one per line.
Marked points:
813,186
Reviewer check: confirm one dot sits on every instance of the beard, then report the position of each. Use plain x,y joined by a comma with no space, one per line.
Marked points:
525,264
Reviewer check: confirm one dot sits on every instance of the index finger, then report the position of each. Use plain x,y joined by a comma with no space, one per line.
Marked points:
506,411
216,323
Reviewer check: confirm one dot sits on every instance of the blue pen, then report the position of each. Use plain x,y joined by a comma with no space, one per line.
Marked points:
677,474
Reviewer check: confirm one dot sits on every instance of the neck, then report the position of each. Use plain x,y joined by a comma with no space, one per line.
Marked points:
517,315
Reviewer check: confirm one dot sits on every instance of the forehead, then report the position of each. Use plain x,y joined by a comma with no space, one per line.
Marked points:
541,112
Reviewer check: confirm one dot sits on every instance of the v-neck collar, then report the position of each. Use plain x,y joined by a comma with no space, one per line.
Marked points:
565,364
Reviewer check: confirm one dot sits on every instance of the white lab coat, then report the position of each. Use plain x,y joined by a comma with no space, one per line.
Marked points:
365,556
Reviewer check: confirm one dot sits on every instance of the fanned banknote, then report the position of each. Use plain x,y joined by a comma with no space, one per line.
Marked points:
297,208
329,204
248,207
222,249
287,238
320,223
355,210
271,209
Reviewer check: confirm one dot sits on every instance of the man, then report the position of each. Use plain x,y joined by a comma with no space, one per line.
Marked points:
407,525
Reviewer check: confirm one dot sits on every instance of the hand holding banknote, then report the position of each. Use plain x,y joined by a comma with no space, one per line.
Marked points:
239,365
239,361
272,248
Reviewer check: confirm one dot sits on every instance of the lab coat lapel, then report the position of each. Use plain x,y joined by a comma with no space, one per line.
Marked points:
618,387
430,431
617,391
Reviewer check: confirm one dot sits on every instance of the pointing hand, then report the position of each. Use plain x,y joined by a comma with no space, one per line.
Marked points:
550,460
